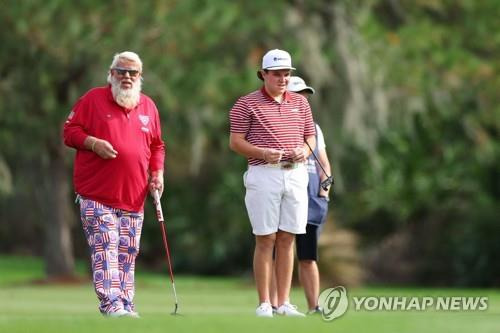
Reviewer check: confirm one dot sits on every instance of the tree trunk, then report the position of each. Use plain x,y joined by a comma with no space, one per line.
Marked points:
58,248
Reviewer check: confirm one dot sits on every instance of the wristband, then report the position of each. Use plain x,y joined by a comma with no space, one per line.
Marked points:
93,144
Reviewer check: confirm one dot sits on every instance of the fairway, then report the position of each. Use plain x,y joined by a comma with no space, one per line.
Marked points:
212,305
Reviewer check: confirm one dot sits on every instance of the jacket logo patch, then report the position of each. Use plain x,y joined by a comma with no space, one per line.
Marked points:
144,119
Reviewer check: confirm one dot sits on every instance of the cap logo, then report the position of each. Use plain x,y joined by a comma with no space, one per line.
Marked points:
276,59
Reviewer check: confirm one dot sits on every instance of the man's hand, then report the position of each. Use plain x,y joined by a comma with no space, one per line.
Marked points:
299,154
156,182
271,155
101,147
104,149
324,194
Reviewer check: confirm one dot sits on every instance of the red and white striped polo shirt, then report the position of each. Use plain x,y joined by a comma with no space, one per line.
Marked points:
269,124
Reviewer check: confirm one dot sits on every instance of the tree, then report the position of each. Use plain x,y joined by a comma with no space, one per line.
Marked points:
407,97
47,66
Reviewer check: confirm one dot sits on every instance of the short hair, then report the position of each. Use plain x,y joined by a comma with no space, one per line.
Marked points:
127,55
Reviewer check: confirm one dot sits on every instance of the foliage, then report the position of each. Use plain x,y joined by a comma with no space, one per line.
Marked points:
407,98
193,55
436,166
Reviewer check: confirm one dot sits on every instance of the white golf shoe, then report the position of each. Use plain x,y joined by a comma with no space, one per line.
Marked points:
133,314
116,314
264,310
287,309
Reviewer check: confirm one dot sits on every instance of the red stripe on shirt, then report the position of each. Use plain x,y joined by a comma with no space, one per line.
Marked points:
269,124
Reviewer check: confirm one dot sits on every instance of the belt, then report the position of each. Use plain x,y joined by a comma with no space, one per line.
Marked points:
284,165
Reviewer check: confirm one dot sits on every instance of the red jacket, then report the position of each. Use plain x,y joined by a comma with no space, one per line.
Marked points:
135,134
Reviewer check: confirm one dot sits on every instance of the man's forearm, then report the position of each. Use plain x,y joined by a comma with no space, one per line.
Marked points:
325,163
243,147
89,142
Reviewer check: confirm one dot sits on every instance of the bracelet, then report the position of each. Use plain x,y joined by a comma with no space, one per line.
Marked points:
265,154
93,144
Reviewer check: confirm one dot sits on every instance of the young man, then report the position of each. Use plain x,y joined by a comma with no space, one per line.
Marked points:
307,244
270,127
116,132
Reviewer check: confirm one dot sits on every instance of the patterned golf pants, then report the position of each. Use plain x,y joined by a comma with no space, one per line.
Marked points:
113,236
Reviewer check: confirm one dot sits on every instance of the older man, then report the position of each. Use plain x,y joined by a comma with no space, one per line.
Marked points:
270,127
120,154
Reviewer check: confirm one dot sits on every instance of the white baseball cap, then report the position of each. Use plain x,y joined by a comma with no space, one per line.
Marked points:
277,59
274,60
297,84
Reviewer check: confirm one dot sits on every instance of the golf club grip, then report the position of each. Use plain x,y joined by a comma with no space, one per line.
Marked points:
159,211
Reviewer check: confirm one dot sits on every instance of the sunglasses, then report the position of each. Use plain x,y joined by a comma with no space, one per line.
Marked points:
122,71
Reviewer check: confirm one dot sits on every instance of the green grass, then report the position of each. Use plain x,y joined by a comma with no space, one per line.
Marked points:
209,305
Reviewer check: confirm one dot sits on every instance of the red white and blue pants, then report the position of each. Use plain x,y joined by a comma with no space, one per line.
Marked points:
113,236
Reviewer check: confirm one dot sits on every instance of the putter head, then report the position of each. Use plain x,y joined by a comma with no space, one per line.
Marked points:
175,311
326,183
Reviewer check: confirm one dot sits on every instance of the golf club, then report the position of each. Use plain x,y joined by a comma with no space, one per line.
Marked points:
159,215
329,180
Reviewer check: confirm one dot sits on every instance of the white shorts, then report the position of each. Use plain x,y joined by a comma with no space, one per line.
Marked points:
276,199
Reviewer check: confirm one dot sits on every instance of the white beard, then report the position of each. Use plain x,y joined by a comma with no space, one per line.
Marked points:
128,98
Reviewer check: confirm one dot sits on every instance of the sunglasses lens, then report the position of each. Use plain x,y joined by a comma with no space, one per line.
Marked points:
122,72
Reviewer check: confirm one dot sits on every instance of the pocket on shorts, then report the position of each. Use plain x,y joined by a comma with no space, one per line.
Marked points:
245,174
246,178
305,176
